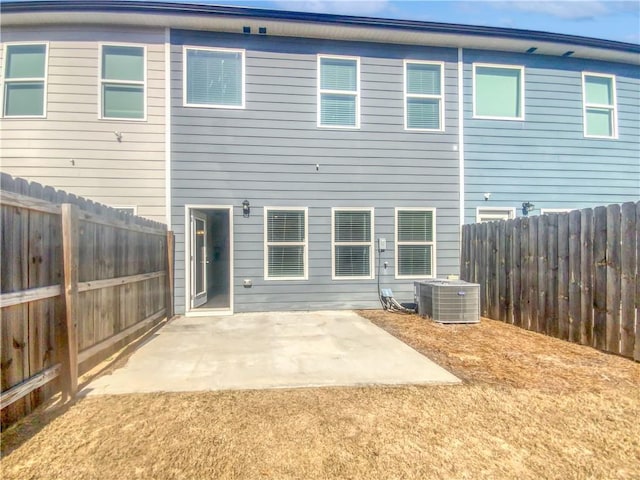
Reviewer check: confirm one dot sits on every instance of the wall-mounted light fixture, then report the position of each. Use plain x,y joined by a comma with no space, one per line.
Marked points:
527,207
246,209
487,196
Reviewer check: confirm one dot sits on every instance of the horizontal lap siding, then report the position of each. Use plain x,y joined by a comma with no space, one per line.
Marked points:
545,159
268,152
131,172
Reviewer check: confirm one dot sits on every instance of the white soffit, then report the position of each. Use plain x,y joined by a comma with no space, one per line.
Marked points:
300,29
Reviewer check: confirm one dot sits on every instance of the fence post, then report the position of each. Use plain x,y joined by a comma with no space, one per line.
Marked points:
169,276
70,250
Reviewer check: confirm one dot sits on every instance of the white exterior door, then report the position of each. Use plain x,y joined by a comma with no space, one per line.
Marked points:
198,260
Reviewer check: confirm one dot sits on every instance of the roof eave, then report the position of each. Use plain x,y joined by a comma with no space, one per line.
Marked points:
299,24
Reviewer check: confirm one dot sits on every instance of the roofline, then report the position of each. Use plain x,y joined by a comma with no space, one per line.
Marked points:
168,8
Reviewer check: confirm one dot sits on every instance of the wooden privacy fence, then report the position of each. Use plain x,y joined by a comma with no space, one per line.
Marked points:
79,280
572,275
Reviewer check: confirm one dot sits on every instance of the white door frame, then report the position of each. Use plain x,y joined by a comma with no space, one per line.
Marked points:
189,312
199,297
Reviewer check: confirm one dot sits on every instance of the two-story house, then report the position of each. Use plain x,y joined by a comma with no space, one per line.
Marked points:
302,160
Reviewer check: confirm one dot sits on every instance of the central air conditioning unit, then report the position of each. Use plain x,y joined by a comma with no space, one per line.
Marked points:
448,301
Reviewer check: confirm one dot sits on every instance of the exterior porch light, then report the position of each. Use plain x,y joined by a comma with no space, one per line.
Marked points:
246,209
527,207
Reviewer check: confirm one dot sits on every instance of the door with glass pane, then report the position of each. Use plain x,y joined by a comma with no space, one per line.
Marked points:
198,259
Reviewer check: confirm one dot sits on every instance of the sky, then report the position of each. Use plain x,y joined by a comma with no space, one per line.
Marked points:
607,19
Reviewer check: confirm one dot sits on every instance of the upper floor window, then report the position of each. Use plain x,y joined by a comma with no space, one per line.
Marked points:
338,92
214,77
285,243
25,80
498,91
415,242
122,82
352,243
424,102
599,104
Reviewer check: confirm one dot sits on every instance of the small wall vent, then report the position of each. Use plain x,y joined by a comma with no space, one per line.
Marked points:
448,301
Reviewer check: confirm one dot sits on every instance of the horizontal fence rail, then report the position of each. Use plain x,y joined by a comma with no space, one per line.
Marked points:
573,276
79,280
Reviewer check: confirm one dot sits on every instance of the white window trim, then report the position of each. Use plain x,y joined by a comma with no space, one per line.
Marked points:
432,243
335,244
510,211
101,81
613,107
304,244
355,93
522,90
132,207
440,97
544,211
34,79
243,55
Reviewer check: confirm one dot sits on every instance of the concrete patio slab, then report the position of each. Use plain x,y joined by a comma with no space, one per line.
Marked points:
269,350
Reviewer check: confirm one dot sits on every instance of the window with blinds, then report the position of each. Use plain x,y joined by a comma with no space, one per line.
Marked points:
599,105
424,102
122,82
285,243
352,243
498,92
415,243
338,92
214,78
25,80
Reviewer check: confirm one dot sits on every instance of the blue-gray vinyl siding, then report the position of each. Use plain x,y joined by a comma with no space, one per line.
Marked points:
545,159
273,154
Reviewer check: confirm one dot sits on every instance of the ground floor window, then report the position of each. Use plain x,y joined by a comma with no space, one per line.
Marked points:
415,242
285,243
352,243
493,214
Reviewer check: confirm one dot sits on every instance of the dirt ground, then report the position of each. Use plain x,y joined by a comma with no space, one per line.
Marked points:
531,407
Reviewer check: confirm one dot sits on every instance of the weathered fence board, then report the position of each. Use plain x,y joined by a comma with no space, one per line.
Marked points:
563,276
636,351
613,278
575,275
551,279
600,277
586,276
543,260
575,319
628,262
78,280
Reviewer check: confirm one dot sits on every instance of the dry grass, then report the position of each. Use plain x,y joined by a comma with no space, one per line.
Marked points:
531,407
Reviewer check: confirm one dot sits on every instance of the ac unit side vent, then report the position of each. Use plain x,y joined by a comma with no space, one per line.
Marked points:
448,301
